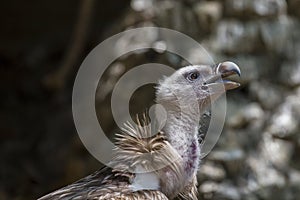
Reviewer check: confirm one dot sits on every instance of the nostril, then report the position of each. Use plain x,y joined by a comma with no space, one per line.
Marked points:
204,87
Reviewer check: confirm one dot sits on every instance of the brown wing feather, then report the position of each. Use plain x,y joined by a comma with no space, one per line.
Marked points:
82,188
103,184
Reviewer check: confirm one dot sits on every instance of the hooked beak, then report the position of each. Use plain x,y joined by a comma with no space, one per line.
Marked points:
221,71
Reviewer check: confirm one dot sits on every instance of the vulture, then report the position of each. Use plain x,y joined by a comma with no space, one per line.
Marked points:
161,165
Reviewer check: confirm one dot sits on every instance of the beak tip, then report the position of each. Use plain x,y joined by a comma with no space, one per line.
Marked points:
238,72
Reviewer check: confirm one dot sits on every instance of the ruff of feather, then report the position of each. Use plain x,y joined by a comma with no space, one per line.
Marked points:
138,148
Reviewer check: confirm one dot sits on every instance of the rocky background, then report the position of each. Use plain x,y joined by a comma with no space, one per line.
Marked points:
42,45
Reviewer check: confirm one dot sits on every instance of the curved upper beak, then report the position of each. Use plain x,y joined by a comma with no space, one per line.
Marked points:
226,69
221,71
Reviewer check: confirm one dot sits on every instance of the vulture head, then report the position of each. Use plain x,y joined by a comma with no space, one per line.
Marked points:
196,84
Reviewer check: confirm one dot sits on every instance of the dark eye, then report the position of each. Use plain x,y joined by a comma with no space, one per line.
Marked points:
193,76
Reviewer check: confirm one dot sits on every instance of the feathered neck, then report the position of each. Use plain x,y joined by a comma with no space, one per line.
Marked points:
181,130
181,127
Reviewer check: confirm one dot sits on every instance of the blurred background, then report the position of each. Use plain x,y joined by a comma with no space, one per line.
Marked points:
43,43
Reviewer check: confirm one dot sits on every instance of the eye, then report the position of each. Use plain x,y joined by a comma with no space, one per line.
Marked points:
193,76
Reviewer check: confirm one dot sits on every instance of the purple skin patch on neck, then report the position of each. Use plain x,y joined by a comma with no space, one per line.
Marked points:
192,157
